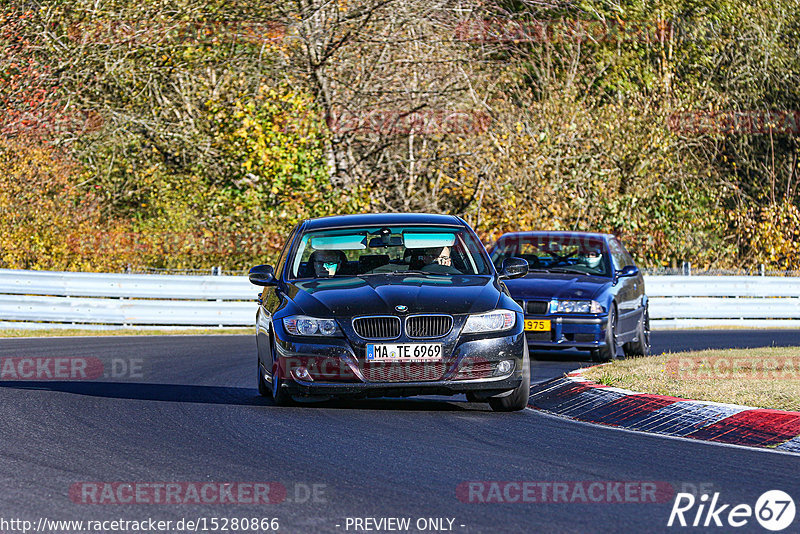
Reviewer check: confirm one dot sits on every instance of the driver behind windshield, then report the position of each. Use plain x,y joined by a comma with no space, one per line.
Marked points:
326,262
592,259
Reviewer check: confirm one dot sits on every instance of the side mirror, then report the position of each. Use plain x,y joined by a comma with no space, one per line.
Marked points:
262,275
630,270
513,268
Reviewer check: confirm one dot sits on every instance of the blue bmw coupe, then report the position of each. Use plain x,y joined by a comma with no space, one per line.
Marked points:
582,291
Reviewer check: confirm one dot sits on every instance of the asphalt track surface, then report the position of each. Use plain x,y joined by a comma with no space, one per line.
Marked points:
189,412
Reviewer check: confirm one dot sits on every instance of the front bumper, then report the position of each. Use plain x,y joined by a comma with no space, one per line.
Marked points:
585,332
337,367
400,389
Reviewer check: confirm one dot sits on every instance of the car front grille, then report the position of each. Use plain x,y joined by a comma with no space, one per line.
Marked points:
539,336
537,307
379,327
428,326
403,371
472,368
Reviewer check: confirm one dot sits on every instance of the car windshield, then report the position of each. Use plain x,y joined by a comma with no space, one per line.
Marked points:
445,251
561,253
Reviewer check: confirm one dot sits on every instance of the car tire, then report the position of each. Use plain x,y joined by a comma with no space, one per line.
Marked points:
279,395
608,352
640,347
519,397
263,387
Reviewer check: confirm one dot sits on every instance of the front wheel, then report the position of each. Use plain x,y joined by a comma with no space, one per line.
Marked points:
279,395
519,397
608,352
263,387
640,347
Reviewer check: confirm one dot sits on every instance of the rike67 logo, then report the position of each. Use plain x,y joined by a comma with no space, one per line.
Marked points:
774,510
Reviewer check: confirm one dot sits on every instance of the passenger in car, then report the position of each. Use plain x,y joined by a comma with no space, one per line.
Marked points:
431,259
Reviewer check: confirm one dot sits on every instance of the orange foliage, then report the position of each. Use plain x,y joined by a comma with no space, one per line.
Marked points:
41,212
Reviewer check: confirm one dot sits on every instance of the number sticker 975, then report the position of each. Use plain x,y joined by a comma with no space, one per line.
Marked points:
537,325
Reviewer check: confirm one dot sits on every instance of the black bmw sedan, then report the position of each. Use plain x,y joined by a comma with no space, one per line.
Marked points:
582,291
390,305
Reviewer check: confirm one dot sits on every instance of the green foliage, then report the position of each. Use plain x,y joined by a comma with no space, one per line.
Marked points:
278,141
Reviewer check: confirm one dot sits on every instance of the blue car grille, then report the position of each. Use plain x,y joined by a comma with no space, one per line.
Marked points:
537,307
539,336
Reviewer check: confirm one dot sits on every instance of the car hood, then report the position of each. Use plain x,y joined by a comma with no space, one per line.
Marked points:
379,294
548,286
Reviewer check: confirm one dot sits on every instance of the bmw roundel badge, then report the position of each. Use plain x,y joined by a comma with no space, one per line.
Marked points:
401,308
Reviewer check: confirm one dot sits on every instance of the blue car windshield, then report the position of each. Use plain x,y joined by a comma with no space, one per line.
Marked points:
444,251
565,253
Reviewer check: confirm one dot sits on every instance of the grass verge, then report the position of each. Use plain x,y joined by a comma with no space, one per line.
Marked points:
121,332
767,377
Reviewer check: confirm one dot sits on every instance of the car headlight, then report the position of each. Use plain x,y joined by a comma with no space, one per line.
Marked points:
300,325
579,306
496,321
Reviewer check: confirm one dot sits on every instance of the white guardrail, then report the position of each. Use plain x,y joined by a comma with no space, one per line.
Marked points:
42,299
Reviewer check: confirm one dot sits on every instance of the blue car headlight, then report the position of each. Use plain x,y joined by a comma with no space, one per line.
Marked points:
494,321
579,306
300,325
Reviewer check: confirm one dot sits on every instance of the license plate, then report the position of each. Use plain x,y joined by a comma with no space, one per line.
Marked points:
537,325
412,352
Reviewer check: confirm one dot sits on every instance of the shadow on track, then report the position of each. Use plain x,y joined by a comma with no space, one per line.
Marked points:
407,404
234,396
154,392
570,356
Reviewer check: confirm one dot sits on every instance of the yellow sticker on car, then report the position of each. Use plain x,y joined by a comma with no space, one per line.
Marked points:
537,325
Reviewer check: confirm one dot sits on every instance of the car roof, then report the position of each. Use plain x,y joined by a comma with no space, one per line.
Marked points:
382,219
